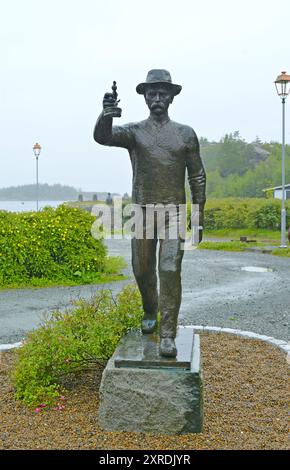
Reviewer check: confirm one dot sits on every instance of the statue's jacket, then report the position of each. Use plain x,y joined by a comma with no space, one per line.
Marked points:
160,156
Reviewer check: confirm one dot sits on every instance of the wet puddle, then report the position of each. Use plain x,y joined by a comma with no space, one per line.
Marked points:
256,269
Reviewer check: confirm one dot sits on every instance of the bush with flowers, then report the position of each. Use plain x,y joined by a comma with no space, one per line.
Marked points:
50,245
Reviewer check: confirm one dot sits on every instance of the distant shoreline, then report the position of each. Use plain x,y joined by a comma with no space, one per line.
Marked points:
33,200
28,205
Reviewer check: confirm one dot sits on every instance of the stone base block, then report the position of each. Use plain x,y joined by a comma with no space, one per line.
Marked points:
157,399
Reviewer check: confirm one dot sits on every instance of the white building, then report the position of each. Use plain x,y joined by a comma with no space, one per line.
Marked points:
277,191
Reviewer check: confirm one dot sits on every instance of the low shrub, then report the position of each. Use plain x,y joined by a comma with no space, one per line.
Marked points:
71,341
268,215
235,213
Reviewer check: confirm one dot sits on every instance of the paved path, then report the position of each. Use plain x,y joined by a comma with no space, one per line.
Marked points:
216,292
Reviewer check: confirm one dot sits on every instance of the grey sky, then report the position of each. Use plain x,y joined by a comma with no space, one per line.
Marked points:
58,57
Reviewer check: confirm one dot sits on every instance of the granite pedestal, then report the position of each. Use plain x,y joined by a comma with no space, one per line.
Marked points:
144,392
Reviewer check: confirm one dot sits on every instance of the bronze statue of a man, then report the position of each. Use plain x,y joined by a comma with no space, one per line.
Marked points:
161,151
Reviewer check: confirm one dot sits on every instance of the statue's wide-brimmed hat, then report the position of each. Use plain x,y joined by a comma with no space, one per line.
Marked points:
158,76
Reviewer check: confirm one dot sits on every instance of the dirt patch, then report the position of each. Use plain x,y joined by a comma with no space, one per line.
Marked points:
246,397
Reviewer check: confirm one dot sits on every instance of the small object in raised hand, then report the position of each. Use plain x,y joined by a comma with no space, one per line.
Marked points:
115,94
110,103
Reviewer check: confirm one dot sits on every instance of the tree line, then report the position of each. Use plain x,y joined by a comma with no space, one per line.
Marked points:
46,192
236,168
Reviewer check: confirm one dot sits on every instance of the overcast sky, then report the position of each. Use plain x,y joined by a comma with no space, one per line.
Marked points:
58,58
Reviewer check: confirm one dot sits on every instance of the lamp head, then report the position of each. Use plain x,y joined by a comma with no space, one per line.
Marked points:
282,83
36,149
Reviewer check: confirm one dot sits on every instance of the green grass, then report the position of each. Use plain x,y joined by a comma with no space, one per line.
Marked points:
113,266
223,246
34,283
261,235
285,252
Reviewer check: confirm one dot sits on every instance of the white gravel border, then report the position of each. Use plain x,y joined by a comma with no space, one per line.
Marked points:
278,343
6,347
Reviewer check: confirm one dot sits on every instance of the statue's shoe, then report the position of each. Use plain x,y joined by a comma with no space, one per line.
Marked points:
148,326
167,347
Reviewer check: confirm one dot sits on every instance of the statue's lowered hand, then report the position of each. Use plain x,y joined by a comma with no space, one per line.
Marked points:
200,233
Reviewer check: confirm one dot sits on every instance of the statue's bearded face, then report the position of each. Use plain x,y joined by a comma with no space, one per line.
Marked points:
158,98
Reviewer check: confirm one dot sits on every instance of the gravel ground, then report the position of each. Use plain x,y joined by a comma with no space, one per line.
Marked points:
216,292
246,398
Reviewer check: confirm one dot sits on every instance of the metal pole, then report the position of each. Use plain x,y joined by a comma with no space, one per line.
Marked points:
283,211
36,183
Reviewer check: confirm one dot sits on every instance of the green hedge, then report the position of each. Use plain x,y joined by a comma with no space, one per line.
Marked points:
244,213
54,244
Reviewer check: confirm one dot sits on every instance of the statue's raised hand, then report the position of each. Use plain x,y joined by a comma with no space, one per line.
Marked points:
108,100
110,103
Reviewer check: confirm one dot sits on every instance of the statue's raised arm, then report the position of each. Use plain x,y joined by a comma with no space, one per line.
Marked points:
107,134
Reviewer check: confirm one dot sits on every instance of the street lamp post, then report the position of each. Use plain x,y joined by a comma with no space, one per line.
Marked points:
36,150
282,87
